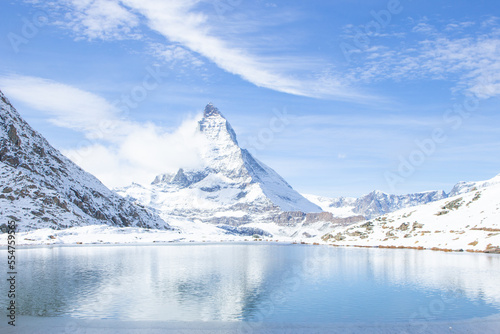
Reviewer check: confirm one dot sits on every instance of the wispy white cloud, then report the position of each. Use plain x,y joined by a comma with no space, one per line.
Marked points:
179,22
423,27
175,55
459,26
471,62
183,24
118,151
491,21
65,105
97,19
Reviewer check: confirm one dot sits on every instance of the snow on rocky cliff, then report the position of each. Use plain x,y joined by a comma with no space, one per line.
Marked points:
231,186
41,188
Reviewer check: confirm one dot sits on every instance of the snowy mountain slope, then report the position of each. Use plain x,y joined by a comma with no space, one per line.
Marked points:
40,188
374,204
469,221
231,187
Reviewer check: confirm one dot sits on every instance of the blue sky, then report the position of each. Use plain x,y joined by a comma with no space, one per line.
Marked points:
339,97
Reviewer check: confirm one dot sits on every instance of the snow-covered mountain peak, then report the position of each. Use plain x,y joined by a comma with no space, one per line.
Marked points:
229,186
378,193
216,128
211,110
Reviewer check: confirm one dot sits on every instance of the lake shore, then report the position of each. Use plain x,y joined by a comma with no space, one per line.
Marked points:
109,235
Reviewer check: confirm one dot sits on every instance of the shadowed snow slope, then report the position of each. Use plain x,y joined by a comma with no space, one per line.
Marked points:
41,188
231,186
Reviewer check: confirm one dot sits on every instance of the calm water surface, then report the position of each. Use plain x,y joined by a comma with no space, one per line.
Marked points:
254,282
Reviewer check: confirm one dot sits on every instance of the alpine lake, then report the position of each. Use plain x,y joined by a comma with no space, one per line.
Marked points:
251,288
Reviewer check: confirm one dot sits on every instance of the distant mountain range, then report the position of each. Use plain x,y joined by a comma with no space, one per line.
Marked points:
39,187
378,203
373,204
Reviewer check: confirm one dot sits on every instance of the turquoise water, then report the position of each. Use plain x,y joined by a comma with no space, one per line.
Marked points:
265,283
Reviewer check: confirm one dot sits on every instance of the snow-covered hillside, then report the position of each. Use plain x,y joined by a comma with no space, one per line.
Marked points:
467,221
41,188
231,186
464,187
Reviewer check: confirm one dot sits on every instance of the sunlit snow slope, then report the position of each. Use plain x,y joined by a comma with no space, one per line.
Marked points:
469,220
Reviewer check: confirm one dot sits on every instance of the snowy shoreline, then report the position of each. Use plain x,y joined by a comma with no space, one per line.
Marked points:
102,235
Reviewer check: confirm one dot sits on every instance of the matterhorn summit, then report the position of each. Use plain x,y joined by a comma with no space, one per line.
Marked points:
215,126
231,186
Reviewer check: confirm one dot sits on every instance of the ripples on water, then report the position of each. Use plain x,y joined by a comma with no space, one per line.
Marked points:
255,282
